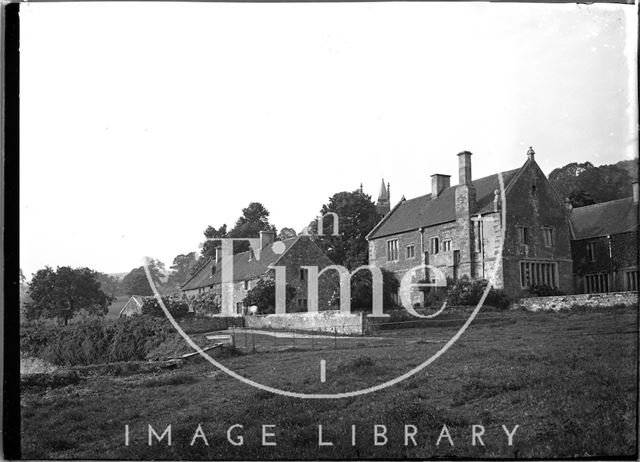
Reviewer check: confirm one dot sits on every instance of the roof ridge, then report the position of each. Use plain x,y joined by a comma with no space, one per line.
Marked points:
602,203
472,181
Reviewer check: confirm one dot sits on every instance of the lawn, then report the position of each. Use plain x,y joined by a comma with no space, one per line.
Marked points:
569,381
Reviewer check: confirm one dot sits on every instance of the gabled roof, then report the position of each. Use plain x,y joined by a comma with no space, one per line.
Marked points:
421,211
613,217
244,267
137,299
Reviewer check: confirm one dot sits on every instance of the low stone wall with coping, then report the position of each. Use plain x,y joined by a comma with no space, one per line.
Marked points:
560,302
332,321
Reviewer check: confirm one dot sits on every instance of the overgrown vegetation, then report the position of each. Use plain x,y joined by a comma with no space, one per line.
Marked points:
585,184
206,304
263,295
469,292
177,307
96,341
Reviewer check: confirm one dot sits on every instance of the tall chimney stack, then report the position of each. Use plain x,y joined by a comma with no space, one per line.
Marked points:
439,183
464,168
635,191
266,238
465,204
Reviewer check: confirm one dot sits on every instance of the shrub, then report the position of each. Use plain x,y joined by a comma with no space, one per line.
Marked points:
96,341
469,292
435,296
498,299
361,291
206,304
544,290
177,307
263,295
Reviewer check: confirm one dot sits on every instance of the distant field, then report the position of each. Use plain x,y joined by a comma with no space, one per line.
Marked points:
116,306
568,380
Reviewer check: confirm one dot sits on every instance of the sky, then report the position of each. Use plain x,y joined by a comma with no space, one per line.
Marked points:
143,123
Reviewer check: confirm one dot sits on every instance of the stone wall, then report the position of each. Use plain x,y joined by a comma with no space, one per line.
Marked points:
324,321
567,301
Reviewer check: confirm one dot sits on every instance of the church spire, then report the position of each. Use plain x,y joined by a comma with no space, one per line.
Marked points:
383,195
383,205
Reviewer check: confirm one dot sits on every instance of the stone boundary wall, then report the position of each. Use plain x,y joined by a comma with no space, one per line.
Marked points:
324,321
213,322
559,302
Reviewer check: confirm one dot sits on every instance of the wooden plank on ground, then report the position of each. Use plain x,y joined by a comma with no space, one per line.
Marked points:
189,355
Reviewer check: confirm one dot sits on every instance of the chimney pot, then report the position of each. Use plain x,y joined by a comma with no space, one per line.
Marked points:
266,238
439,183
464,168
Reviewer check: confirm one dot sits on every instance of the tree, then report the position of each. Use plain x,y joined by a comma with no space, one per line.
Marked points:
263,295
361,294
181,269
136,283
254,218
110,285
286,233
565,179
580,198
585,184
357,216
208,247
64,292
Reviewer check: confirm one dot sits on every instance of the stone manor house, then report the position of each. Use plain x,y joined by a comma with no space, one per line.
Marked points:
458,229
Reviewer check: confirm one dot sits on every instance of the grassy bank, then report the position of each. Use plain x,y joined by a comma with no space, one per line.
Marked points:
568,380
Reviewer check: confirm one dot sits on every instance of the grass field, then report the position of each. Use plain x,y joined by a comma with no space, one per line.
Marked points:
117,305
568,380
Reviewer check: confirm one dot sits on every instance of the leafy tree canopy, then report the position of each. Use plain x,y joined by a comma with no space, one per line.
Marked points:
254,218
64,292
181,269
357,216
585,184
361,290
136,283
110,285
286,233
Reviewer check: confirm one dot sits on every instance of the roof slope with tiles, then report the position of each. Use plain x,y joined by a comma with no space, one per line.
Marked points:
423,212
245,266
606,218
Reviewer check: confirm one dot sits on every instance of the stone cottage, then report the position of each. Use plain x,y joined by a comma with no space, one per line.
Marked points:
292,254
605,245
458,228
